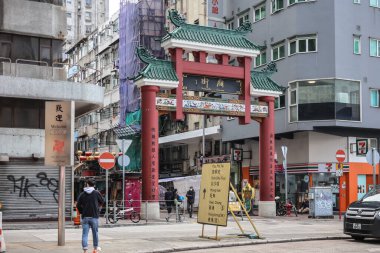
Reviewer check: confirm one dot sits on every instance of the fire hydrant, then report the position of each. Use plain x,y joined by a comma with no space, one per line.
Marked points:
288,208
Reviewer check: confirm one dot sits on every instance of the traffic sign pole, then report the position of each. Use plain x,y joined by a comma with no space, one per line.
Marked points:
285,165
374,167
107,162
122,165
106,196
340,156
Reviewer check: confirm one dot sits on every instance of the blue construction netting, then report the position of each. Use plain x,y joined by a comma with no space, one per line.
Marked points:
128,60
141,24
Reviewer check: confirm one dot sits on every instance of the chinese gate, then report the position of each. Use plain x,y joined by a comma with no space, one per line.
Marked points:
189,70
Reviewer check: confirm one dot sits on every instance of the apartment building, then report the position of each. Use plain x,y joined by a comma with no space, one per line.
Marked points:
83,17
31,73
95,59
327,56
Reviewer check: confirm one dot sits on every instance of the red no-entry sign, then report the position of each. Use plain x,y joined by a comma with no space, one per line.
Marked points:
107,160
340,156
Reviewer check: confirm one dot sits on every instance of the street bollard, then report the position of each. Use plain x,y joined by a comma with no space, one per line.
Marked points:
114,211
2,240
146,211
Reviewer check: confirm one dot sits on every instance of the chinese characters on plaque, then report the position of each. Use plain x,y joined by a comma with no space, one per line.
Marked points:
58,132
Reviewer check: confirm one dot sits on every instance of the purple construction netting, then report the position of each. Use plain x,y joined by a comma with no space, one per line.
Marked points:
128,61
141,24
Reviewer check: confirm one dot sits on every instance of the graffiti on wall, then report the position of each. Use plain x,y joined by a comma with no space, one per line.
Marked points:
23,185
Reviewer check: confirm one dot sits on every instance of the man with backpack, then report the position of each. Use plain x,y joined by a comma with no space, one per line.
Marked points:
88,204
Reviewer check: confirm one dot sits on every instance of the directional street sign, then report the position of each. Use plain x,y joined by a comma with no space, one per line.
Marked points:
372,153
340,156
124,147
213,194
107,161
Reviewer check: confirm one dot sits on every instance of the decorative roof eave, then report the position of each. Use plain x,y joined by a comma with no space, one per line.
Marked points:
262,93
163,84
212,49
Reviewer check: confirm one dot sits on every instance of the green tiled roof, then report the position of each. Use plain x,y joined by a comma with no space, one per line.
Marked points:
262,81
210,35
155,69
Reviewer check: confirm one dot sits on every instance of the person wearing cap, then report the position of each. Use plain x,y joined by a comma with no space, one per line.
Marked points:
190,195
88,204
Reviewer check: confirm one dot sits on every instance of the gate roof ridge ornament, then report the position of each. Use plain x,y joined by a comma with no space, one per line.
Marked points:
213,40
263,85
157,72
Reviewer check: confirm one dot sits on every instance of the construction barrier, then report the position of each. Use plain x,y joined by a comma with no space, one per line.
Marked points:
2,241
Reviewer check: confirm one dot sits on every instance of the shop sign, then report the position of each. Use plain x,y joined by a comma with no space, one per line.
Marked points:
361,147
213,194
237,155
59,133
326,168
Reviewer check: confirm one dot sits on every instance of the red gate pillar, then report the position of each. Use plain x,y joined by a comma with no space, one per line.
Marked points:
267,205
149,153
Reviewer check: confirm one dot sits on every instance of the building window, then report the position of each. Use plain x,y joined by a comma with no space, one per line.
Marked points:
375,97
259,12
357,45
356,1
279,102
326,99
291,2
243,19
88,16
69,28
68,1
302,45
68,14
88,3
196,125
277,5
374,3
278,52
374,45
230,25
261,59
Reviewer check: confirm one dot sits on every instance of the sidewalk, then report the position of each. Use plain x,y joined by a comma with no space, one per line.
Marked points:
173,237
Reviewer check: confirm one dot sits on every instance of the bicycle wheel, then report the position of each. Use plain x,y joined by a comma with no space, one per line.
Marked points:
135,217
111,218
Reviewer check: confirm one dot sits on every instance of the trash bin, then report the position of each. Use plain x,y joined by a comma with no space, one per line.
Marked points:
321,202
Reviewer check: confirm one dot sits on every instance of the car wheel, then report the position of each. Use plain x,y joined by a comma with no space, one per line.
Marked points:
357,238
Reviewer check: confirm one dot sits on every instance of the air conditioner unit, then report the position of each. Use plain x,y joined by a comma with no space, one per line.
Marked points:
373,143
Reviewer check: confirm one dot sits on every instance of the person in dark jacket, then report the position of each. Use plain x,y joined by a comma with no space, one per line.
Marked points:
88,204
190,195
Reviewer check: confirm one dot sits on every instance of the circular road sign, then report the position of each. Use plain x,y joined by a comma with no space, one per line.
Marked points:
340,156
107,160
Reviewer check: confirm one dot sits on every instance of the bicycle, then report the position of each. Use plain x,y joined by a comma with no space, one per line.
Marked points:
122,214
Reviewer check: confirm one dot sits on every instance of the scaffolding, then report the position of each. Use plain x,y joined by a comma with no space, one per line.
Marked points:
141,24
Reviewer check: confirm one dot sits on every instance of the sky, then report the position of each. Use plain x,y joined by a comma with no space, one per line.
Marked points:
114,6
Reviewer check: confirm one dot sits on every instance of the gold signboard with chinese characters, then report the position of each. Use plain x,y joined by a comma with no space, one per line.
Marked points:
59,133
213,194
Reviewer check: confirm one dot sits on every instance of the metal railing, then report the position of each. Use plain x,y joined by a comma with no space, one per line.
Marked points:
175,213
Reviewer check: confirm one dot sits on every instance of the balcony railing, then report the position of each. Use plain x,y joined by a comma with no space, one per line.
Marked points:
32,69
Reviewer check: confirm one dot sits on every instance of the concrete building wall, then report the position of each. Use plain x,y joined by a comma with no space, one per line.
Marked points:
323,147
20,142
334,22
38,19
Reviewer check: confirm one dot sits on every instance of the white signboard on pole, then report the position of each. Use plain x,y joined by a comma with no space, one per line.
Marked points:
59,129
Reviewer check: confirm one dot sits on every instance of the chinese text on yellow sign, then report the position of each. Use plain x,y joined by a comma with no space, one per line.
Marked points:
213,194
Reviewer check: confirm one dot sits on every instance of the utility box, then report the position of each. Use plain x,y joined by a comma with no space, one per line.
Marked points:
321,202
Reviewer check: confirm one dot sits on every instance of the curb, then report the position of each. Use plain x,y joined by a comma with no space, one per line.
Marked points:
257,241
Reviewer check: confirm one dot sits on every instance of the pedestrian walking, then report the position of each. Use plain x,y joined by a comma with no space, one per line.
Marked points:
169,202
190,195
88,204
